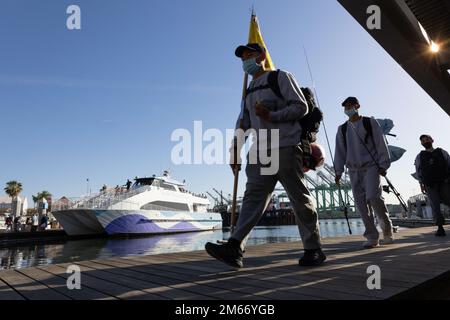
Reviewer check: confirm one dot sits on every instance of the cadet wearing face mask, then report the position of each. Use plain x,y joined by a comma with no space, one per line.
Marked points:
264,109
433,171
354,140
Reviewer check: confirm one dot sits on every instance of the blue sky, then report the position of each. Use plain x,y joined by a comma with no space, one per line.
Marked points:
102,102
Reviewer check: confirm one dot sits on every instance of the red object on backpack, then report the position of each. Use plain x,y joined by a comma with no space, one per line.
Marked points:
318,156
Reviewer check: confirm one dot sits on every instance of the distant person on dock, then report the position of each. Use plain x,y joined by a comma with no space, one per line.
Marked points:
22,222
264,109
34,222
17,224
28,223
44,222
433,171
128,184
359,142
9,223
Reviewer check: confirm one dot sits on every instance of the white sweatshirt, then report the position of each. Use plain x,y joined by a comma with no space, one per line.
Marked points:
356,156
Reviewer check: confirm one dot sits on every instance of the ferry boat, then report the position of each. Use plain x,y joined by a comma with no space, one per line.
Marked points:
153,205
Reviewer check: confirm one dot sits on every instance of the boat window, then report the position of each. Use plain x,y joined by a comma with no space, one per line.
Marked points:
143,182
167,186
156,183
165,205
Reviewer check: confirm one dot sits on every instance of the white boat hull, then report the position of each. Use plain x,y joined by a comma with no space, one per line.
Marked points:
110,222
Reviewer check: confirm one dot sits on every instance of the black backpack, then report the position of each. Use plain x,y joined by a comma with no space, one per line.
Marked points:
433,167
367,126
310,123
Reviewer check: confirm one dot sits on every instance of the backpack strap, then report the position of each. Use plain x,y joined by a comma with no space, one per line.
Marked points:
272,80
344,133
367,126
272,84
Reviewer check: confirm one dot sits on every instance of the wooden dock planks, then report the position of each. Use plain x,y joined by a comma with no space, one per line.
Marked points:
271,272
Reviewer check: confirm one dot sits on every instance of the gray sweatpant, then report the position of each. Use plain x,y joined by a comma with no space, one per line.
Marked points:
367,190
435,201
259,189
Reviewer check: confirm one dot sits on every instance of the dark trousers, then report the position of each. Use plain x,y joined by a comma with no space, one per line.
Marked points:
435,201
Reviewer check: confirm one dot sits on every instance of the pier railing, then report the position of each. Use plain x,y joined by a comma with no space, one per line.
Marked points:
103,200
111,200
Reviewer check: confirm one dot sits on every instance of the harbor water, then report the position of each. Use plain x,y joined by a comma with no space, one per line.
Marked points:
22,256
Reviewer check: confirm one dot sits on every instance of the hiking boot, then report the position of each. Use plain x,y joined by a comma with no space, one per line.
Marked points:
440,232
314,257
229,253
387,240
370,244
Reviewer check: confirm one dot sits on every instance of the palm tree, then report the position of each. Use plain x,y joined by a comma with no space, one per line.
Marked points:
43,195
13,189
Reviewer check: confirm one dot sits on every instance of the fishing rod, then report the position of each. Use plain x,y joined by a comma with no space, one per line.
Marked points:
341,199
394,190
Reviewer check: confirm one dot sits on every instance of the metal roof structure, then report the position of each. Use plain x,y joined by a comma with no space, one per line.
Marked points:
409,29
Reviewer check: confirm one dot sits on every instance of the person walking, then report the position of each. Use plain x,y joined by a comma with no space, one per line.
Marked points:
9,223
44,222
362,148
264,109
35,222
433,171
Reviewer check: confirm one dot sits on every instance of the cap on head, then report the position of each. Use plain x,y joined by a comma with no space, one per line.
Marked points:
425,136
251,47
351,100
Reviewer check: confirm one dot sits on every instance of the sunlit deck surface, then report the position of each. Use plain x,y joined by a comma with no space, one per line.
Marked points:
416,266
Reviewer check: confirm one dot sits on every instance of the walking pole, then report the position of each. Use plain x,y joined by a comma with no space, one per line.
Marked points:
235,158
397,194
344,205
233,206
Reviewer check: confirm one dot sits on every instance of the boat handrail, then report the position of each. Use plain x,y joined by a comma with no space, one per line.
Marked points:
111,198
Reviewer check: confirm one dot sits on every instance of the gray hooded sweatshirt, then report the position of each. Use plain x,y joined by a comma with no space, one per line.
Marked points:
284,113
355,156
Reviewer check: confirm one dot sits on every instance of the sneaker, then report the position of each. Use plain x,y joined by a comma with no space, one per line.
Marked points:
229,253
311,258
387,240
369,244
440,232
